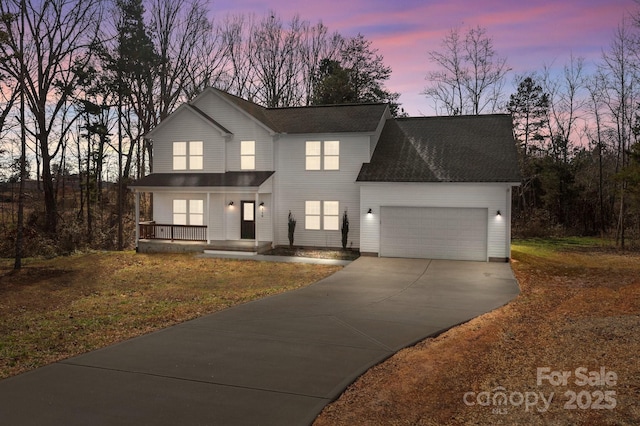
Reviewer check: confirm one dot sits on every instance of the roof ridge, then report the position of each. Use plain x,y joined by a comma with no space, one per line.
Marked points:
328,105
444,117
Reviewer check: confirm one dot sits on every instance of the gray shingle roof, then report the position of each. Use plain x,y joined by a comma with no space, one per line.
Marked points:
328,119
228,179
314,119
478,148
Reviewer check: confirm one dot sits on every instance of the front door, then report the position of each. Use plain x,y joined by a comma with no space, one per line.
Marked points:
248,220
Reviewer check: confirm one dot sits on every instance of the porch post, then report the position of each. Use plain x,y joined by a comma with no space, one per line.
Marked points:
255,216
137,218
208,221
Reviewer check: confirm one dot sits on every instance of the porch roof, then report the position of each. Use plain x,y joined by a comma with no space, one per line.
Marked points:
203,180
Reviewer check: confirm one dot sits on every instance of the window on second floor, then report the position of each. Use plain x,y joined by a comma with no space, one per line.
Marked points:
247,155
188,212
322,155
188,155
331,155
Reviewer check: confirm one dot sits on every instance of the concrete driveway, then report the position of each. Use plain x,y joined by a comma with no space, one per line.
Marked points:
275,361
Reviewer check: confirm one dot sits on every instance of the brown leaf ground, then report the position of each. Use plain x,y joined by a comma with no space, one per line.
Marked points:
57,308
579,307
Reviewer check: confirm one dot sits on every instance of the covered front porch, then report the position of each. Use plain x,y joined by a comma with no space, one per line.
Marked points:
229,211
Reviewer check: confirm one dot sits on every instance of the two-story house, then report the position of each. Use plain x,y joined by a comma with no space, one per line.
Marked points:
228,172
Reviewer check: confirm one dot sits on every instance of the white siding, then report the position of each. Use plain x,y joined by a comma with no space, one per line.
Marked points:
232,215
243,127
293,185
163,204
217,217
264,218
187,126
493,197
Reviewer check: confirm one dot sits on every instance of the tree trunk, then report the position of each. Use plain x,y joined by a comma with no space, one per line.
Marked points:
50,205
23,163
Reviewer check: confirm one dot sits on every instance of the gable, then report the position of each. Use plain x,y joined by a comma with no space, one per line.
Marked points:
191,110
233,110
445,149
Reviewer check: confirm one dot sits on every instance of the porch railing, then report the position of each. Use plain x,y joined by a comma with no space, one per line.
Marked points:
156,231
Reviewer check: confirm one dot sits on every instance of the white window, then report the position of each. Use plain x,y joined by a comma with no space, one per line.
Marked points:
331,215
179,212
179,156
196,212
322,215
196,155
248,215
188,155
188,212
247,155
313,153
312,215
322,155
332,155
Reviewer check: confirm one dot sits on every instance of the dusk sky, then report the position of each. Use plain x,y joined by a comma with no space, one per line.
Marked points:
529,34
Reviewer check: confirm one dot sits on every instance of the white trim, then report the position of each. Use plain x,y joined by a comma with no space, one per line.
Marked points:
208,216
438,183
255,218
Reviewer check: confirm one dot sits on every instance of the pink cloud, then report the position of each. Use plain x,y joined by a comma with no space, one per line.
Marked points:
530,34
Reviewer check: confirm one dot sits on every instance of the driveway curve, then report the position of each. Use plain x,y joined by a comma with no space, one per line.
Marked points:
274,361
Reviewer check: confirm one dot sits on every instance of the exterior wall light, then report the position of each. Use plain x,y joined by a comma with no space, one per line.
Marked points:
498,213
262,205
230,203
370,211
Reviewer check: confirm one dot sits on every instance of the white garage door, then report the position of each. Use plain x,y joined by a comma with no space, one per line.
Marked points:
433,233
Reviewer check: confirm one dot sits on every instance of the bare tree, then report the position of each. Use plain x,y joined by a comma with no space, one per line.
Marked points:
276,57
58,34
274,63
7,100
469,76
241,74
596,87
565,105
317,46
618,73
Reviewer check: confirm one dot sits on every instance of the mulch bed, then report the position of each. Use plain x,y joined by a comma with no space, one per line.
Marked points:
315,253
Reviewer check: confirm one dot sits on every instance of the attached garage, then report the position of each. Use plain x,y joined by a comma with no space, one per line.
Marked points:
434,232
440,188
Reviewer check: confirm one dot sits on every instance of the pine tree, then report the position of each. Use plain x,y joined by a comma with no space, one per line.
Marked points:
529,107
357,78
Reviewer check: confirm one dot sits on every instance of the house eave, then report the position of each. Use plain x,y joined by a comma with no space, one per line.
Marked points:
198,189
492,183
